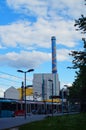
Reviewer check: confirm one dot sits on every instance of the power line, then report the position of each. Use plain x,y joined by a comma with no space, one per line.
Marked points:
3,84
10,75
10,80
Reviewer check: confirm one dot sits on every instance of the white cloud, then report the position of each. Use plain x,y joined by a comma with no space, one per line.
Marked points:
26,59
23,34
2,92
29,7
53,18
43,8
63,54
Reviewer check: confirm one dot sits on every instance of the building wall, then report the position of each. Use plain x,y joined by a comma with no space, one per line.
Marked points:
11,93
43,87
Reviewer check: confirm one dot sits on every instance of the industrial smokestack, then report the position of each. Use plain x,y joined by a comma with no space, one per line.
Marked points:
54,62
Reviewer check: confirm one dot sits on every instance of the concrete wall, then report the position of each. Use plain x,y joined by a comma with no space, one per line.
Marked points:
11,93
43,87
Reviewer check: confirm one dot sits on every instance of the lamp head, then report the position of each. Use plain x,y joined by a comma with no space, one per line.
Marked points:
20,71
30,70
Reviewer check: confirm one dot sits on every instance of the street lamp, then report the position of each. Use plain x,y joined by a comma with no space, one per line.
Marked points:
22,92
21,71
62,94
52,94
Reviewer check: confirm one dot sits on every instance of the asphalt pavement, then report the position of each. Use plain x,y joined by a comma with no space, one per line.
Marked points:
12,123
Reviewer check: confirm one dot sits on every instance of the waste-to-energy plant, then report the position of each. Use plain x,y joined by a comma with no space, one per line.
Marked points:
42,83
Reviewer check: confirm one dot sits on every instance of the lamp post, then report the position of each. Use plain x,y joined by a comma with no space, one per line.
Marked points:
52,94
21,71
68,103
22,91
62,92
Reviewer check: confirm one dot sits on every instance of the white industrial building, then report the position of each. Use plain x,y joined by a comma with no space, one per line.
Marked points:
42,87
11,93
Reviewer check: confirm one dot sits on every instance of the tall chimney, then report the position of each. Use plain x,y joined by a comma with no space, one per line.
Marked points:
54,62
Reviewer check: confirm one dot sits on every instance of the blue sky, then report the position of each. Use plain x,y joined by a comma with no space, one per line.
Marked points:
26,28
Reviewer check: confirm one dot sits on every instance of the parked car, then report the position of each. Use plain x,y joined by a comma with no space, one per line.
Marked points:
19,113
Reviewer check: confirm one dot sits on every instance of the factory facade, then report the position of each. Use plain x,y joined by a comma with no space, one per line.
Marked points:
43,86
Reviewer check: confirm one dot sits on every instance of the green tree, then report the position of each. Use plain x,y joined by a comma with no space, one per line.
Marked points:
79,63
78,90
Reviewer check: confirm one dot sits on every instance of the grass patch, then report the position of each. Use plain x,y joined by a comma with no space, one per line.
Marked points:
66,122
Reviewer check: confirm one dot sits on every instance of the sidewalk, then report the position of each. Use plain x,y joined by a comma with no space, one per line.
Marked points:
16,121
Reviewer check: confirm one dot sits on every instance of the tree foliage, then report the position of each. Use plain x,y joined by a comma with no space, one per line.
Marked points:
81,23
78,90
79,59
